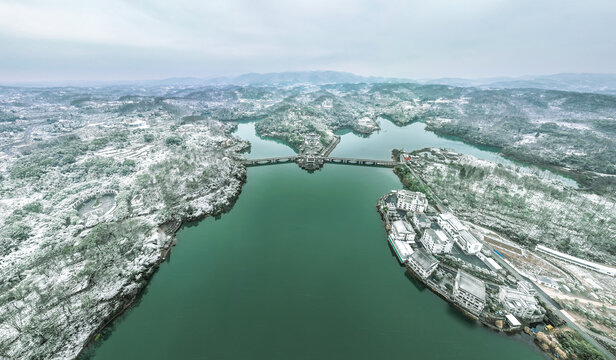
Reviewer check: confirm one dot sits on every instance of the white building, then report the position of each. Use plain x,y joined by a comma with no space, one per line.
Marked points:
402,249
411,201
512,321
403,231
493,265
520,303
450,223
468,243
422,263
469,292
436,241
420,220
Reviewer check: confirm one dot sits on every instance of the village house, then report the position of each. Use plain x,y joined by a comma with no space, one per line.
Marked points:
547,282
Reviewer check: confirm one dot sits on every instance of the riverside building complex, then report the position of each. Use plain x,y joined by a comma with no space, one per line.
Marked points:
456,274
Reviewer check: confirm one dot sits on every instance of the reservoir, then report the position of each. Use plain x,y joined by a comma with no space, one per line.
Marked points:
300,268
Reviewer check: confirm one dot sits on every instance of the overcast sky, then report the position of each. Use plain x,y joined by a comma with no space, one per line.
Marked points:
115,39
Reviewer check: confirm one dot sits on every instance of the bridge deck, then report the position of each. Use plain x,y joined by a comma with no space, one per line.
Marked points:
331,160
271,160
359,161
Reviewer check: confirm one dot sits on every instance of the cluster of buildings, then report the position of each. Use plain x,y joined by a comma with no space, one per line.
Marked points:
436,237
416,238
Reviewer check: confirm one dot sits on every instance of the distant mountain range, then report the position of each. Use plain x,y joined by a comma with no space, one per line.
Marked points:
285,78
591,83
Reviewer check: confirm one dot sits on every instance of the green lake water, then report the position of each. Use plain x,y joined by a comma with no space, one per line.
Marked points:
299,269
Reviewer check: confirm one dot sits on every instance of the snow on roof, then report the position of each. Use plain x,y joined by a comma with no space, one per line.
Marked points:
513,320
494,264
471,284
438,236
453,221
468,238
424,259
404,249
402,227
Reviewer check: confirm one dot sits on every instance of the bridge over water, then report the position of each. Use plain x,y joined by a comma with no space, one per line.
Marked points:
316,162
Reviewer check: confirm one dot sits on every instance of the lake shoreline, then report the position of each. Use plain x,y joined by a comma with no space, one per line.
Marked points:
184,223
127,304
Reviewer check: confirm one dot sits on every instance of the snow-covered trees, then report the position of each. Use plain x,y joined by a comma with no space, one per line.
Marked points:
80,217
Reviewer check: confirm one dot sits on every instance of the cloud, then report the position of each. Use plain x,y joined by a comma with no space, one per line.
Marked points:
112,22
396,38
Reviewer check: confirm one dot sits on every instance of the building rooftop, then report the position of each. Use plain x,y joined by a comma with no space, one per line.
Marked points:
472,285
513,321
518,298
424,259
469,238
421,217
453,221
402,227
438,236
493,264
411,194
441,237
403,250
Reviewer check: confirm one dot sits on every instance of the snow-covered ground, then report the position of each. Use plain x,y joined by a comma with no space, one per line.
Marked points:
65,273
524,205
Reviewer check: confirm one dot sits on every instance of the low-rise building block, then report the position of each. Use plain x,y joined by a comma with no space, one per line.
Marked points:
469,292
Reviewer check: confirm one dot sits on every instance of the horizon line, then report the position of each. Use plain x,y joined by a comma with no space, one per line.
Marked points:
119,81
